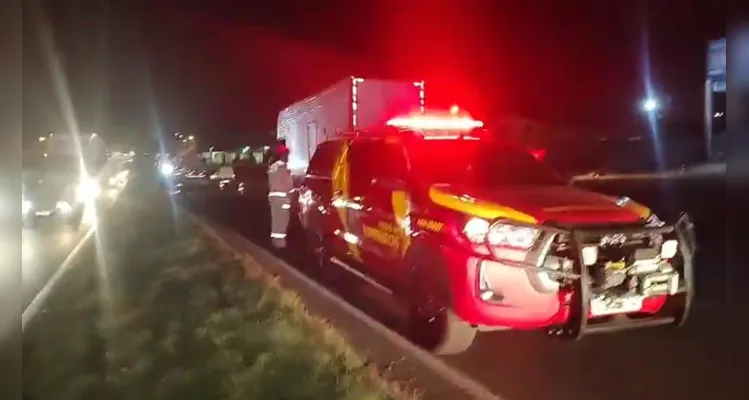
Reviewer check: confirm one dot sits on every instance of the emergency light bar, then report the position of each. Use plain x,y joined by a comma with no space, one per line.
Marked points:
422,122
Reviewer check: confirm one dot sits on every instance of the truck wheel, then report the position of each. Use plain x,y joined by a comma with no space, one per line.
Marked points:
432,324
442,333
318,254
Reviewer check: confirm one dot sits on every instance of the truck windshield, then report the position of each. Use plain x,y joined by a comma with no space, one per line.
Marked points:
478,162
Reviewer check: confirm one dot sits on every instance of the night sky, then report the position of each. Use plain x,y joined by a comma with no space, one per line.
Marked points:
223,70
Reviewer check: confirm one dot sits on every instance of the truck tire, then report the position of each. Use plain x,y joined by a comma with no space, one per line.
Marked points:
457,337
432,324
318,255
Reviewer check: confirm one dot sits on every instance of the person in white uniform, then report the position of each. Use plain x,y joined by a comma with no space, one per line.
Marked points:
279,188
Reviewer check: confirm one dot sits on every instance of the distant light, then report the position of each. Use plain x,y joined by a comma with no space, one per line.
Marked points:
191,137
454,109
184,140
93,135
42,138
650,105
246,149
167,169
176,133
46,155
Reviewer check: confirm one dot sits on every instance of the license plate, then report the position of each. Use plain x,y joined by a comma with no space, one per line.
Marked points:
607,306
43,213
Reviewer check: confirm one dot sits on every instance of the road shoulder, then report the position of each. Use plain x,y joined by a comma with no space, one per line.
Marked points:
157,310
399,359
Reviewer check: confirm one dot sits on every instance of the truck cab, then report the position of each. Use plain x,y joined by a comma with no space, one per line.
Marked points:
475,234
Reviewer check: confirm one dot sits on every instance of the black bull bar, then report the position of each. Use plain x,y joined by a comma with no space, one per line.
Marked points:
676,310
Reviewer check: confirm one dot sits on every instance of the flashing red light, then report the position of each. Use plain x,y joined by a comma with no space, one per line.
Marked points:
422,122
539,154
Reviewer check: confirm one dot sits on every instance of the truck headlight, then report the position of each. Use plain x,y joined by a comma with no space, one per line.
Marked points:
26,206
88,189
654,222
510,242
508,235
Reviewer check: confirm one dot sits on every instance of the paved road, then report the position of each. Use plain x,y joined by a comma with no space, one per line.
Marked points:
44,250
701,361
47,246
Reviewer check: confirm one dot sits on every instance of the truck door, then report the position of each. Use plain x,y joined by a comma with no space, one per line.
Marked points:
384,209
317,212
349,200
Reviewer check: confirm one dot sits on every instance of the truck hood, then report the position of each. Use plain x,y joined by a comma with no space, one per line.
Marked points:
539,204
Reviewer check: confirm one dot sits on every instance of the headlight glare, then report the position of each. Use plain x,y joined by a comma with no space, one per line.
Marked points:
167,169
88,189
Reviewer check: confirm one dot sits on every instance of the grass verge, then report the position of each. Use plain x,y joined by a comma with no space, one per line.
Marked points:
159,311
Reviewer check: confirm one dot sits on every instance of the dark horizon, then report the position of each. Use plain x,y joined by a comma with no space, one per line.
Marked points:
226,69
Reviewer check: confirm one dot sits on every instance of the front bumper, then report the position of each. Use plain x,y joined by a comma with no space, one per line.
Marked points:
567,312
674,311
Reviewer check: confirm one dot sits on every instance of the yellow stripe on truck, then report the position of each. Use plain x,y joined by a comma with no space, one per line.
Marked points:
475,207
401,211
340,183
638,208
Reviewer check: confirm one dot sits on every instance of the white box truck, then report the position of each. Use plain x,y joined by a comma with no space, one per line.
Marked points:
350,104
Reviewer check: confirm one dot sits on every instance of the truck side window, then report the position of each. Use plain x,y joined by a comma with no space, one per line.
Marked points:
393,162
364,163
323,159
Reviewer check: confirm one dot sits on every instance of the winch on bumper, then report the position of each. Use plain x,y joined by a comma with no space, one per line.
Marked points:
604,279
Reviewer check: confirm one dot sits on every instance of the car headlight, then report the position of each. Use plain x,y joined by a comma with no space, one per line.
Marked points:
504,240
476,229
654,222
510,242
26,206
88,189
513,236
